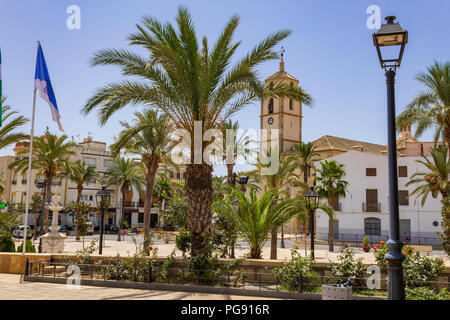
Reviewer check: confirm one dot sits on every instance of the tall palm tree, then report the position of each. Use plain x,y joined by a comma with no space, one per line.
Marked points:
36,205
193,84
11,120
257,217
330,185
149,138
80,174
238,146
125,173
278,181
50,158
430,108
306,156
436,179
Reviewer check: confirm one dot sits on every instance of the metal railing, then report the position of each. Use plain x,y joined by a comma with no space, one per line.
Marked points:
137,271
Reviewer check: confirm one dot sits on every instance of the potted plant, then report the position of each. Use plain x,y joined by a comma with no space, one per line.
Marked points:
365,245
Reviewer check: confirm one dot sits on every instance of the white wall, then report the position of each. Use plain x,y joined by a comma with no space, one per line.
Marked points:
351,219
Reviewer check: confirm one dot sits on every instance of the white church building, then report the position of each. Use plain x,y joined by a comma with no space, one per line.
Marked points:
365,209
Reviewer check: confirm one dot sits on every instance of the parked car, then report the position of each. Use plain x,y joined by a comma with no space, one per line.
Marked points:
110,228
90,228
18,232
64,229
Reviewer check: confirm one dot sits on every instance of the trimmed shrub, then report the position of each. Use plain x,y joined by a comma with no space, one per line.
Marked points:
29,247
7,244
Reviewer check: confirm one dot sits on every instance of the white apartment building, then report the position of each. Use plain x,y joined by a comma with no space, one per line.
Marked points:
365,209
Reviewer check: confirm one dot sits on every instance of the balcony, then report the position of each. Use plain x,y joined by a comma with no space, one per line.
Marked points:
371,207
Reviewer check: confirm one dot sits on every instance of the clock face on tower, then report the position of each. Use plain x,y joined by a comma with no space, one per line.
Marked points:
270,120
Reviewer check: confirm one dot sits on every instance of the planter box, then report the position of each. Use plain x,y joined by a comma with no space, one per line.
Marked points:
333,292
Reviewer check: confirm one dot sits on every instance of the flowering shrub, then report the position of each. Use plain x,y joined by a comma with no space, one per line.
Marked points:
424,293
348,267
417,269
289,272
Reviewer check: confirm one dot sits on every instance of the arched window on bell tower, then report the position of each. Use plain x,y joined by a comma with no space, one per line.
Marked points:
271,105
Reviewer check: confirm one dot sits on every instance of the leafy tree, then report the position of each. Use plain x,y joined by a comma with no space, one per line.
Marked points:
11,121
257,217
125,173
81,212
50,157
149,138
36,206
190,82
436,179
330,185
80,174
176,213
430,108
277,181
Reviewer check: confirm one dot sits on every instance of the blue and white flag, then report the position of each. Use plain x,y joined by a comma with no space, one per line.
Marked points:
43,84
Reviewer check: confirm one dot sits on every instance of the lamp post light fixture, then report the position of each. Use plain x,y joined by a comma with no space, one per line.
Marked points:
392,35
312,202
103,199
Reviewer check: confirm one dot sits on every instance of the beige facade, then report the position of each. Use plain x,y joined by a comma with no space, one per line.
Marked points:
281,113
5,161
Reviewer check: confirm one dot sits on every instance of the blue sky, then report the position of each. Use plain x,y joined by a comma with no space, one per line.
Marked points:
330,51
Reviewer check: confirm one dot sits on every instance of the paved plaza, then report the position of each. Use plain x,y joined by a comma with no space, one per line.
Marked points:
127,247
13,289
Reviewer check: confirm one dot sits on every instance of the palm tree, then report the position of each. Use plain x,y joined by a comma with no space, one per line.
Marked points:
330,185
194,84
80,174
436,179
277,181
50,158
238,146
256,218
10,122
306,156
125,173
148,137
430,108
36,205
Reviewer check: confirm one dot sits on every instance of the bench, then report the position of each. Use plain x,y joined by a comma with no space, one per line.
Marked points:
422,248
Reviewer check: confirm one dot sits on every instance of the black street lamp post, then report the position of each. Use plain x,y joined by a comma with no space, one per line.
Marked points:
312,202
391,34
103,198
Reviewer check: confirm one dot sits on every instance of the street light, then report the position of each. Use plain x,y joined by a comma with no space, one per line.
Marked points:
392,35
103,198
312,202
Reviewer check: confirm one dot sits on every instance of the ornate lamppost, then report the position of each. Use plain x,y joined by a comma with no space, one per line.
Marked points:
392,35
312,202
103,198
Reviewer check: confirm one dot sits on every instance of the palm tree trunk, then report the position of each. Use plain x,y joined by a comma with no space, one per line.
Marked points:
330,231
79,191
199,193
230,173
48,191
151,173
447,136
273,244
124,190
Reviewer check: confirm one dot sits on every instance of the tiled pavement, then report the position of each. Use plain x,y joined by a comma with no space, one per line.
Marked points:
12,289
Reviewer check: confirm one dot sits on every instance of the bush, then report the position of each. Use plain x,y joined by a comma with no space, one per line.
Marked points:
417,269
424,293
7,244
348,267
183,241
29,247
288,274
365,242
445,235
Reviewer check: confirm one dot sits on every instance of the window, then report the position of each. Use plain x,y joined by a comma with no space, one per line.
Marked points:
403,197
24,179
90,161
402,171
141,217
372,226
291,104
371,172
108,164
178,176
271,105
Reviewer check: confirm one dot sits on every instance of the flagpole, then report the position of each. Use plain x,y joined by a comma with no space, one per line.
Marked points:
29,172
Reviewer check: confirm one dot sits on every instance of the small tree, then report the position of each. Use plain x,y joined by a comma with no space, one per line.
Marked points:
81,212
